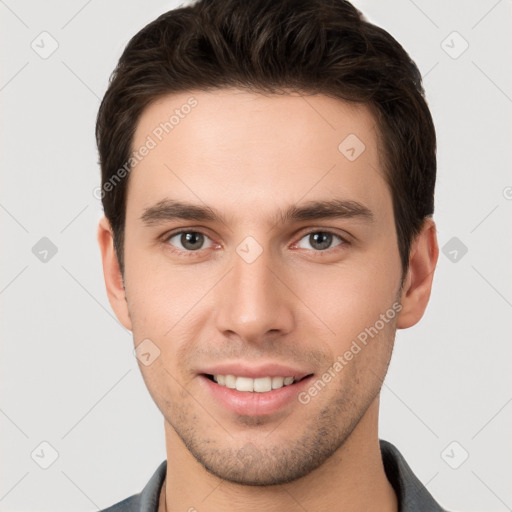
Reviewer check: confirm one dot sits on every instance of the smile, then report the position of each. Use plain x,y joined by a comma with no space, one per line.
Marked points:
258,385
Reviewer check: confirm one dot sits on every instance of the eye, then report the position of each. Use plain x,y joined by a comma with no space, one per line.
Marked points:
194,241
188,241
321,240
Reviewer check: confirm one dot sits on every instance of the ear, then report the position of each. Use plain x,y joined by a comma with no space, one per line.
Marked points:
112,273
418,282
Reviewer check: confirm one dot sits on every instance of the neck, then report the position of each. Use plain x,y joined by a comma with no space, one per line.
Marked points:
352,479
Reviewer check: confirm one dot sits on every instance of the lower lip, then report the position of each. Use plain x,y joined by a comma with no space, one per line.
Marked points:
247,403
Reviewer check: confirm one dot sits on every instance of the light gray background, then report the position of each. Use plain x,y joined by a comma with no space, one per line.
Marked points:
68,374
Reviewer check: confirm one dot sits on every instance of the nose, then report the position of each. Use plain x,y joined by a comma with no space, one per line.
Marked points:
254,301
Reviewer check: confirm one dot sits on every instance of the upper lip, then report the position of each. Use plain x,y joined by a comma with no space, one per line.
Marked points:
256,371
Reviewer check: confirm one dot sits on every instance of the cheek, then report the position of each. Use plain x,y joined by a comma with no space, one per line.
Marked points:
160,295
347,299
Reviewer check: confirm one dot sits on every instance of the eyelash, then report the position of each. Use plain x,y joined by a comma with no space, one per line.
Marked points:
168,236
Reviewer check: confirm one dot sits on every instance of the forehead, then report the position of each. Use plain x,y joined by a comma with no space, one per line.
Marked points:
252,152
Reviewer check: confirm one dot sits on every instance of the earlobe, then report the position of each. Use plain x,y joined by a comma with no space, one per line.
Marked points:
418,282
112,273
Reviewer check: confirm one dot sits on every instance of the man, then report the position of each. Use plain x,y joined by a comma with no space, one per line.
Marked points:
268,172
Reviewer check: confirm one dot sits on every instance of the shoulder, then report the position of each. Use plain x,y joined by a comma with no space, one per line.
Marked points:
412,495
130,504
147,499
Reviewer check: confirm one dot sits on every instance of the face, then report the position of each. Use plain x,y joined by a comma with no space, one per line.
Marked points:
259,244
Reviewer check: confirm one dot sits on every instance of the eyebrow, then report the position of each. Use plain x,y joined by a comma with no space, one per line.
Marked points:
170,209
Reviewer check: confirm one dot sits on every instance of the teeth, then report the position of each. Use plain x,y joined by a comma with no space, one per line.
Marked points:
244,384
259,385
263,384
229,381
277,382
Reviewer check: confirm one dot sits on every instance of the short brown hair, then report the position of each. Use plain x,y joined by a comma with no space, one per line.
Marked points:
274,46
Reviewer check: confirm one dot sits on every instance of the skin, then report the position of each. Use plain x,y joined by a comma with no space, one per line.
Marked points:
249,155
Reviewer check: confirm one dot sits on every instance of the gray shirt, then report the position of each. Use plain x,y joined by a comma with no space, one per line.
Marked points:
411,493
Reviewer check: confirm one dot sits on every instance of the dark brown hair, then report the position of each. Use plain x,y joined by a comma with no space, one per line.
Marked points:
275,46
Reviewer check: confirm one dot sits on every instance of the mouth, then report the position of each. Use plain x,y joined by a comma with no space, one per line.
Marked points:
257,385
261,396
